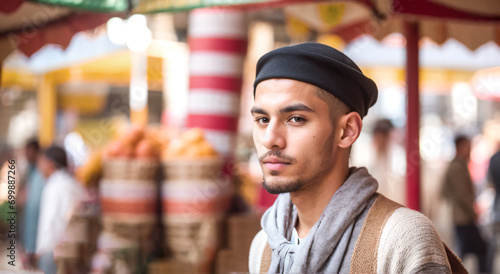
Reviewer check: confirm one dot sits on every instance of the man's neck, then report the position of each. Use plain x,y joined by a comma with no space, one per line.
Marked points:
311,202
50,173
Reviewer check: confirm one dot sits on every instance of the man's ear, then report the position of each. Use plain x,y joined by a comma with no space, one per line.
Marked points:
350,126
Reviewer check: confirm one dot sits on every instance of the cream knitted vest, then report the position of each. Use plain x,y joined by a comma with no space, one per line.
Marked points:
394,239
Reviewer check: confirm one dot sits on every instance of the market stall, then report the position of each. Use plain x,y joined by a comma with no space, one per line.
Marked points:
470,24
168,188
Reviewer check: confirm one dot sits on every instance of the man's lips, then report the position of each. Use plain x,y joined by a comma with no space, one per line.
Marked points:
275,164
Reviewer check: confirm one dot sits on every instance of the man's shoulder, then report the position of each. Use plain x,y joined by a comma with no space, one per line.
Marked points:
63,182
257,247
63,177
455,164
456,168
397,222
403,219
411,229
259,238
409,240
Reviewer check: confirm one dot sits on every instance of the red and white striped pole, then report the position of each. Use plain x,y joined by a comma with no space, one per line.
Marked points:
218,44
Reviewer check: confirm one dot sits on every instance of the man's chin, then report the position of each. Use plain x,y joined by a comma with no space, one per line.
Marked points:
272,189
276,187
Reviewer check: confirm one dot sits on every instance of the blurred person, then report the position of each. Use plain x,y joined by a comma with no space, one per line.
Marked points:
387,163
60,198
382,136
458,189
309,101
32,194
494,178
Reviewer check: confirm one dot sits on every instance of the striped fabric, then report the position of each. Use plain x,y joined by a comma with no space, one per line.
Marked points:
218,43
128,197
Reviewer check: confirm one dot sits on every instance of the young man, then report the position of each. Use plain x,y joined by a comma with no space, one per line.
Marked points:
60,198
308,108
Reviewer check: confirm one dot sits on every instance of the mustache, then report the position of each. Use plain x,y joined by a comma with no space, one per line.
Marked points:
277,154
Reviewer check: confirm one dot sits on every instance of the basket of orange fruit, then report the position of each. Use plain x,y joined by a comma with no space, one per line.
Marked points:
190,157
129,187
133,156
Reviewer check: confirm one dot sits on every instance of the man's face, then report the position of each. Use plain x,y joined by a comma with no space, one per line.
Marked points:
381,141
293,134
464,149
45,166
31,154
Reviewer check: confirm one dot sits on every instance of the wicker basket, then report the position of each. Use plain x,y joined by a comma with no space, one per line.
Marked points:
225,262
195,169
129,201
121,253
193,241
134,229
241,230
189,198
130,169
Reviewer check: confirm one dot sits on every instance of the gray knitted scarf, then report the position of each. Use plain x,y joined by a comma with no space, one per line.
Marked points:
324,247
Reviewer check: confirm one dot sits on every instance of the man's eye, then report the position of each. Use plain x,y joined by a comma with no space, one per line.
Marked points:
297,120
261,120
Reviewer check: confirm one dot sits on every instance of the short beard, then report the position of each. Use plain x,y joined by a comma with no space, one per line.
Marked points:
283,188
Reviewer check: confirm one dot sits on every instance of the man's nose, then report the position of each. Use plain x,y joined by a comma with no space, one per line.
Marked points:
274,136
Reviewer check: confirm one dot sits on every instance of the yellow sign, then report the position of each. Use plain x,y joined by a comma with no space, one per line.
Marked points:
331,14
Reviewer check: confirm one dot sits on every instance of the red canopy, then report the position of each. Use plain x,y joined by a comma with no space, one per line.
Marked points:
31,26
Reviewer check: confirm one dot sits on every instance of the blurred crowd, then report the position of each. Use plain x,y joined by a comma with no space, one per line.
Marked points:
467,183
47,199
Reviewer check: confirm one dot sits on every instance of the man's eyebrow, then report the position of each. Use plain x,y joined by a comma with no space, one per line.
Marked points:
258,110
296,107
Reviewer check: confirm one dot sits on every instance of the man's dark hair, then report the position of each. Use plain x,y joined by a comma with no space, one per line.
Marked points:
383,126
336,107
33,144
57,155
460,139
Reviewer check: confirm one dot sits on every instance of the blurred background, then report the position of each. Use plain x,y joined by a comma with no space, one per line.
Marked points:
150,100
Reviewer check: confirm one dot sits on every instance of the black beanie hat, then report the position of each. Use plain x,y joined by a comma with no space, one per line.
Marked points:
324,67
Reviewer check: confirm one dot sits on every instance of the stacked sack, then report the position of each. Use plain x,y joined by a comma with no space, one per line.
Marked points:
194,198
240,231
129,190
115,255
75,249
